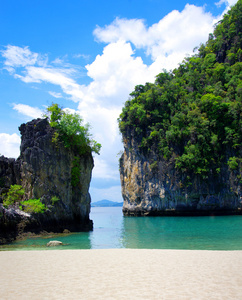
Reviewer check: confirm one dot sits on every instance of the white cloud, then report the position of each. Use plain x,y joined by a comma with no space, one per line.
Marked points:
178,32
58,61
84,56
21,57
133,30
70,111
32,112
32,67
227,2
102,170
56,76
55,95
116,72
9,145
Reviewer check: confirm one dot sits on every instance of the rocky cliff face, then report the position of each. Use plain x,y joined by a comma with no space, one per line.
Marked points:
44,169
152,186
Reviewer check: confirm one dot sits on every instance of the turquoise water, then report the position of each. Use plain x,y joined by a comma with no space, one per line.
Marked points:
112,230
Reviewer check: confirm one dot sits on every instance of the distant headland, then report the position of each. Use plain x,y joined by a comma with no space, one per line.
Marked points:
106,203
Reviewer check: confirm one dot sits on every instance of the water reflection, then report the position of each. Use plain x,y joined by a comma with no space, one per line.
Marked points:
108,227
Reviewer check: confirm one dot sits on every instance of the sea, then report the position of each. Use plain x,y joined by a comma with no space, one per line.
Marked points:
113,230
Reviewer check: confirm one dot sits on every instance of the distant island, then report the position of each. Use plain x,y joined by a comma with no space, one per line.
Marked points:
106,203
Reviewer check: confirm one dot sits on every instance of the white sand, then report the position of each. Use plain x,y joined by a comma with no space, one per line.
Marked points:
121,274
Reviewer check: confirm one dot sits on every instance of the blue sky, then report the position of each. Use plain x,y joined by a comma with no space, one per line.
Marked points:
88,56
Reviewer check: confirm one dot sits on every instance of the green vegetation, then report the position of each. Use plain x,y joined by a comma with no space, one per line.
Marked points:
71,131
54,199
193,114
14,197
33,206
233,163
74,135
75,171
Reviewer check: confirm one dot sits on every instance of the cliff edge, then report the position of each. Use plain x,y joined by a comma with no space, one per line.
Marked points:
153,186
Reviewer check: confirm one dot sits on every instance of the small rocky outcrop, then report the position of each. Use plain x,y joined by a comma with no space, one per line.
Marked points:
54,243
153,186
45,170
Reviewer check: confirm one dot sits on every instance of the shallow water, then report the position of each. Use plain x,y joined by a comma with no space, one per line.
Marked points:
112,230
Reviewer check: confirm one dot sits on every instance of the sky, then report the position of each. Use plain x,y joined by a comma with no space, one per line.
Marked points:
88,55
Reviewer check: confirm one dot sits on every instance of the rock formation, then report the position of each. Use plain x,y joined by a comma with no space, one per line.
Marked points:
182,134
44,169
158,188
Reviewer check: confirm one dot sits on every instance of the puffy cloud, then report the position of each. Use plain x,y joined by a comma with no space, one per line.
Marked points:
32,112
133,30
178,32
9,145
104,127
115,73
102,170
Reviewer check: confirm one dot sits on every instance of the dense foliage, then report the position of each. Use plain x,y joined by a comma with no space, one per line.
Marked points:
15,195
193,114
71,131
33,206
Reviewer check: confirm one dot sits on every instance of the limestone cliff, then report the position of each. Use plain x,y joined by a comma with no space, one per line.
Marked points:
182,134
153,186
44,169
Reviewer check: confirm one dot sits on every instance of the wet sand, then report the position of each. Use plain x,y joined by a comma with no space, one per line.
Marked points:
121,274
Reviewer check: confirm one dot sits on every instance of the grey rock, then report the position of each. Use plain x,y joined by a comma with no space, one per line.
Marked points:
54,243
162,190
44,169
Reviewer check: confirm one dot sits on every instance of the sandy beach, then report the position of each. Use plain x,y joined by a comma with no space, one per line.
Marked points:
121,274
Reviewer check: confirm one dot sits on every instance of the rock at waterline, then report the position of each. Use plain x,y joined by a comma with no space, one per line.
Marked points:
45,172
54,243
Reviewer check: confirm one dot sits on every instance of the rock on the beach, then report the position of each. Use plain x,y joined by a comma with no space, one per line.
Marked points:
54,243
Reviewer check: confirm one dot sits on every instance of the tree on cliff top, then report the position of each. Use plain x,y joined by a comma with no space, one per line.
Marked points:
71,131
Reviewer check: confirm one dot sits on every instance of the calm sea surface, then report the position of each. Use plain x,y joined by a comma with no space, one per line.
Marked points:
112,230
